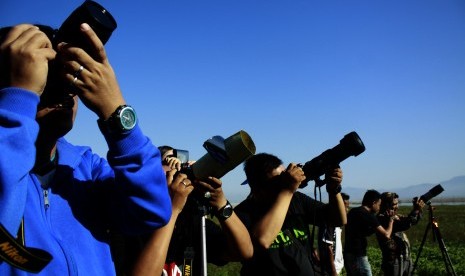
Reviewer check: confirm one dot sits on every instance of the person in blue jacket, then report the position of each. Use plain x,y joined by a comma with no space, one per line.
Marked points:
65,199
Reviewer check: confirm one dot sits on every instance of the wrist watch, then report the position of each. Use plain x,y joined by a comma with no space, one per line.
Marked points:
224,212
122,120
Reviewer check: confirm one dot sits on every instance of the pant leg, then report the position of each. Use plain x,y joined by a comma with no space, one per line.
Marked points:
357,265
408,267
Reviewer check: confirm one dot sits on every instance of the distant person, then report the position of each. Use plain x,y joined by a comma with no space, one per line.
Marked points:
361,223
66,197
397,260
278,216
330,245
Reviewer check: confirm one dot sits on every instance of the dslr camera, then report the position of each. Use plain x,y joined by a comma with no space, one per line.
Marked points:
98,18
349,145
101,22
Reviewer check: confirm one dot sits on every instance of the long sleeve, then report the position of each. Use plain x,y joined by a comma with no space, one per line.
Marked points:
18,132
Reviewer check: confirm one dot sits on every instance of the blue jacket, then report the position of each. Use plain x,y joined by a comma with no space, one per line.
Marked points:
87,196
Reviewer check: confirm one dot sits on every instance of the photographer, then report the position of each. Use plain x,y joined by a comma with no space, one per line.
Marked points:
395,249
64,197
278,216
228,241
361,223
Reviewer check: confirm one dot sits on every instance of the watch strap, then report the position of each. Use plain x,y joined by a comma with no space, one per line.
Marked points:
334,190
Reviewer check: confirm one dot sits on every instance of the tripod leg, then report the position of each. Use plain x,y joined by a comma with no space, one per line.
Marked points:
421,247
442,246
204,246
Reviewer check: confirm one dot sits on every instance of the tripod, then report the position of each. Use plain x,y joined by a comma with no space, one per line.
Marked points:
433,224
203,237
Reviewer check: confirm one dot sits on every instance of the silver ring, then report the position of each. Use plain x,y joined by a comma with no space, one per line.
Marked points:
74,80
207,195
78,72
184,183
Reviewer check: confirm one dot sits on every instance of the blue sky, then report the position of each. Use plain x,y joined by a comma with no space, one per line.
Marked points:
295,75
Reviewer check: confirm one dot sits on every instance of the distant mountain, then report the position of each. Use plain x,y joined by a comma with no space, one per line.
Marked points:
453,189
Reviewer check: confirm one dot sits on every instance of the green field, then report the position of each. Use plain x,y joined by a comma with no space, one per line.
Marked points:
451,221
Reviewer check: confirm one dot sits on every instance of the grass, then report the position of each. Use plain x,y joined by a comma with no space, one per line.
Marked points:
451,221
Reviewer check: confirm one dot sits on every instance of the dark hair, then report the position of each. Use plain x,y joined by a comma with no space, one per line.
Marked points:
3,32
164,149
258,166
387,199
345,196
370,197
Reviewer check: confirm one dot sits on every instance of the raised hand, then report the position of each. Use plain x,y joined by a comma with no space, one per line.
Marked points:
24,55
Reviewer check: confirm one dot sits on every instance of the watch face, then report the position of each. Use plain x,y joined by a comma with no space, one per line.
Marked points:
227,211
128,118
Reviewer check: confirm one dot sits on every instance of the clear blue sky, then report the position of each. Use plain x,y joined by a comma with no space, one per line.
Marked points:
296,75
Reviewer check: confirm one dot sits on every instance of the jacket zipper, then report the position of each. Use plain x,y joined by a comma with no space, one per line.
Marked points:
46,202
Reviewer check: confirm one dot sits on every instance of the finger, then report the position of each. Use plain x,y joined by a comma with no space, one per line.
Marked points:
290,166
75,83
17,31
75,69
31,37
186,182
169,176
178,166
204,186
37,39
214,182
96,44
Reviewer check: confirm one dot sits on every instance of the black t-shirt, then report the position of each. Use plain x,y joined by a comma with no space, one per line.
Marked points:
361,223
290,253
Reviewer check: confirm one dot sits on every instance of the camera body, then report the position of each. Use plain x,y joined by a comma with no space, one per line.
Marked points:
350,145
101,22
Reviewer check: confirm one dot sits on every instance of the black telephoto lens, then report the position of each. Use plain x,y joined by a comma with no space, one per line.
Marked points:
436,190
350,145
92,13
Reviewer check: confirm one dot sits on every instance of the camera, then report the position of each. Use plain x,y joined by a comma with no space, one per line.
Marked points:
350,145
436,190
98,18
101,22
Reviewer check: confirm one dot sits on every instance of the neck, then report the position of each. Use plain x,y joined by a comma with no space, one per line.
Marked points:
367,208
46,157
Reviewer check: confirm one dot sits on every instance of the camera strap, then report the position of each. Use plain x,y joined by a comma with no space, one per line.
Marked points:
16,254
188,261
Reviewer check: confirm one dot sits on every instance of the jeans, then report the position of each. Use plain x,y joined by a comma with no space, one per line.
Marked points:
357,265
